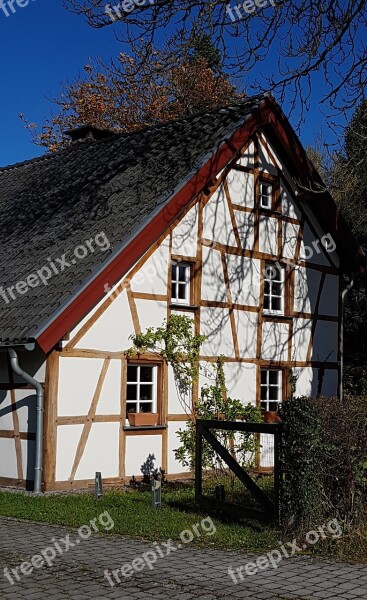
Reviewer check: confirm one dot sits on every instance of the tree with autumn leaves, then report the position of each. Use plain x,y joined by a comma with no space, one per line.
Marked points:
124,98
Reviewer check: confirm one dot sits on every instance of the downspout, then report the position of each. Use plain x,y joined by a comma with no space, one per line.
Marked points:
39,433
341,341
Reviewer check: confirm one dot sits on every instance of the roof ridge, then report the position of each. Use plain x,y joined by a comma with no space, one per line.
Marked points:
114,135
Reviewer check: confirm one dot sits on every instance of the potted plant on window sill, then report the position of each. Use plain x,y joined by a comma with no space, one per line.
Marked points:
142,419
270,416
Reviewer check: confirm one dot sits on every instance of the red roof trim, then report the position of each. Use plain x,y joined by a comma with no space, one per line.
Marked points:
95,291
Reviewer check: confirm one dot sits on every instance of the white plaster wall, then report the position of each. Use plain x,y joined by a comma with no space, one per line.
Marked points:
26,401
306,288
212,283
301,338
8,458
138,448
217,225
185,235
68,437
28,449
306,384
174,404
248,157
152,276
246,326
329,301
266,164
101,452
244,279
241,381
77,383
111,331
290,238
325,342
330,383
245,226
268,235
215,324
151,314
241,187
275,341
6,418
109,401
312,250
289,205
173,443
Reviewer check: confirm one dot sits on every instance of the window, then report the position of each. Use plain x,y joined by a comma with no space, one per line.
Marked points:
180,288
266,195
274,288
271,389
141,391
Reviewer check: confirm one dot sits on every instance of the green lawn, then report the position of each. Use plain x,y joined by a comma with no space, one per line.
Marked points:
133,516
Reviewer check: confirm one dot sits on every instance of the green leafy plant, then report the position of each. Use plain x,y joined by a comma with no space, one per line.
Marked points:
214,402
178,344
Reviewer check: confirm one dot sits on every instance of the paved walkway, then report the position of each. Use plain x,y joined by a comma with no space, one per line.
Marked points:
186,574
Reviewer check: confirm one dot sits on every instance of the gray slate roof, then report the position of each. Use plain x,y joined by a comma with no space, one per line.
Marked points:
51,205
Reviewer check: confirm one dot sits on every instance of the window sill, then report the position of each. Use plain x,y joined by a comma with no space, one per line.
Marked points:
277,317
190,307
144,427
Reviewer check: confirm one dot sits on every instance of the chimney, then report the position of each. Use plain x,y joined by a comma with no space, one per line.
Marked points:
88,132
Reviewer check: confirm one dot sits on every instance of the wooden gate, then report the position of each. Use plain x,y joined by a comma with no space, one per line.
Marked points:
268,508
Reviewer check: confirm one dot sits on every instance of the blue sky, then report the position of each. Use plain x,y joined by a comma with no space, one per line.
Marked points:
41,46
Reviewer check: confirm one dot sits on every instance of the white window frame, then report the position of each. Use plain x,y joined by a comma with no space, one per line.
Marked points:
138,383
175,282
269,266
268,205
268,385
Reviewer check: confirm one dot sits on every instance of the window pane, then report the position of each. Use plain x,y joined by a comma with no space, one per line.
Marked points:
264,390
273,377
263,376
277,289
182,273
263,406
276,304
182,291
273,406
173,290
266,302
273,393
146,407
146,392
266,287
174,274
132,373
131,392
146,373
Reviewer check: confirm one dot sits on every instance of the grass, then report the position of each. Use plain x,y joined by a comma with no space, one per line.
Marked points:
133,516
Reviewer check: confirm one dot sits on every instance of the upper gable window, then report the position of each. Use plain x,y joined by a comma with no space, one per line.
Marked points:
180,283
266,194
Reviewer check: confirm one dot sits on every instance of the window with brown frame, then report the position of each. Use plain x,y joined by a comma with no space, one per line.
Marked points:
181,282
268,193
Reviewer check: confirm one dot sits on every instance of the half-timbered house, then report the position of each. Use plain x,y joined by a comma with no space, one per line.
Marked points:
221,217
